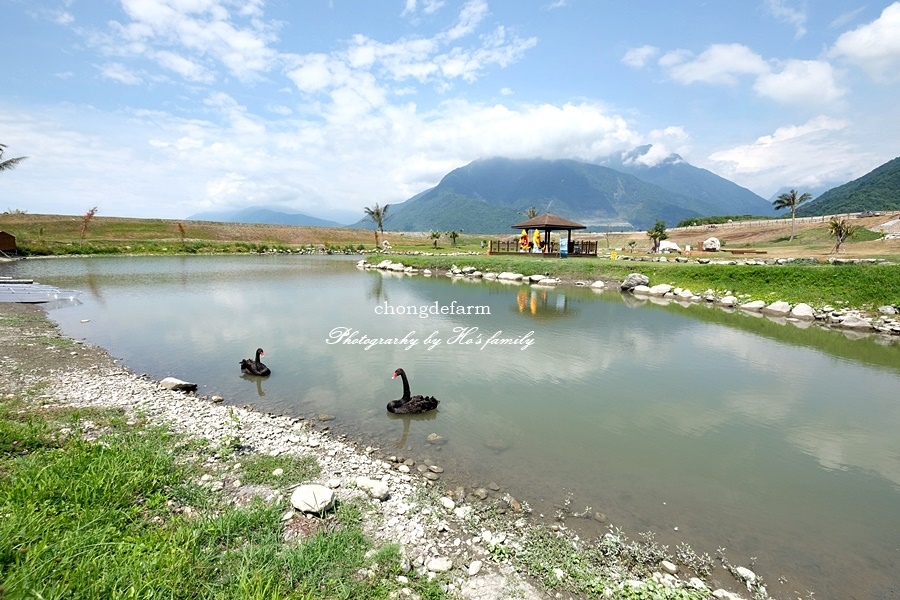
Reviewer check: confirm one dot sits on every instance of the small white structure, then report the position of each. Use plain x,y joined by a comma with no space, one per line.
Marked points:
712,244
386,245
667,246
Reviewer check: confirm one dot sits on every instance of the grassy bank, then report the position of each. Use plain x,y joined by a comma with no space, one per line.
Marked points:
119,517
863,286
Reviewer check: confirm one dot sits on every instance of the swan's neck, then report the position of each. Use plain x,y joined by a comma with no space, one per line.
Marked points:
406,395
257,357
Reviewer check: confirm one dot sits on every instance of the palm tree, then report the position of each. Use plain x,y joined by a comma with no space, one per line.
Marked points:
10,163
657,233
791,200
530,213
435,235
378,214
841,230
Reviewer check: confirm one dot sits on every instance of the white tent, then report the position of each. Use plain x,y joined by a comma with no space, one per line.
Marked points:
667,246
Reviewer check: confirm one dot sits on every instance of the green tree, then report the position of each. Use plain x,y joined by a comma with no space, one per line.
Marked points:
10,163
435,235
657,233
378,214
841,230
530,213
453,235
791,200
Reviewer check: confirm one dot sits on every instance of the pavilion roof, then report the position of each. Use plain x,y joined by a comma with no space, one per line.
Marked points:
549,221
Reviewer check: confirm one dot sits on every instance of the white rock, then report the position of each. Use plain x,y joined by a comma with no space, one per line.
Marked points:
728,301
803,311
669,567
725,595
640,290
745,574
448,503
376,489
755,305
660,289
170,383
779,307
474,567
696,583
312,498
854,322
440,564
598,284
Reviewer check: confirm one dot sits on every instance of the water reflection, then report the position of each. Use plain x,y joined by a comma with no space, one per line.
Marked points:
407,420
543,304
258,381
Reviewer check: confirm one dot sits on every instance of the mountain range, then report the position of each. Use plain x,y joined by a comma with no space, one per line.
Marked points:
490,195
622,192
261,214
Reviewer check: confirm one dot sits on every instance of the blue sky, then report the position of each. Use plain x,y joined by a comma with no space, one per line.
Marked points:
166,108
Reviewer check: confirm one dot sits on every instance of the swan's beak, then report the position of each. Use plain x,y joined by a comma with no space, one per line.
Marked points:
394,376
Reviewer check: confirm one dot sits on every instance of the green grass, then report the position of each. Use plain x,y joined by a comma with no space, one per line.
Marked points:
864,286
95,520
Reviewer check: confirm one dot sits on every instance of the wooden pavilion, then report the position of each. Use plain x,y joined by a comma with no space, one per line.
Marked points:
547,223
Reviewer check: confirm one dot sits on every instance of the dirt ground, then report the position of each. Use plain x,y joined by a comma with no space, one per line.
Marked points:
38,347
763,236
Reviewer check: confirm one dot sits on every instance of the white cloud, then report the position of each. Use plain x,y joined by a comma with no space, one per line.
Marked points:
638,57
170,28
471,15
805,83
119,72
787,14
189,69
801,83
808,155
875,46
720,63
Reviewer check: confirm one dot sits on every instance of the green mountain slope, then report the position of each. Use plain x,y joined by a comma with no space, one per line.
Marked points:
487,196
877,190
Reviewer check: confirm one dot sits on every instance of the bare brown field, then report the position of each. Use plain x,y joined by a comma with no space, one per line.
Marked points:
770,237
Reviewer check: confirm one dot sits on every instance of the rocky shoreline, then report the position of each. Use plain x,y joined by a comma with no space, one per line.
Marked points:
457,535
886,322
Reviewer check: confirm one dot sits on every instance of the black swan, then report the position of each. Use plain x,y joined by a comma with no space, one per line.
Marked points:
252,366
410,404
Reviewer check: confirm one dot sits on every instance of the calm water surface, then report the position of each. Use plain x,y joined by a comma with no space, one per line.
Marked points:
769,440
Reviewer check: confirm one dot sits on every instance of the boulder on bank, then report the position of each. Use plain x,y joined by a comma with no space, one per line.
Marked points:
312,498
803,311
634,280
171,383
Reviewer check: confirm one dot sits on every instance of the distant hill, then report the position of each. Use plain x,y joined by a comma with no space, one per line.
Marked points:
877,190
260,214
712,195
489,195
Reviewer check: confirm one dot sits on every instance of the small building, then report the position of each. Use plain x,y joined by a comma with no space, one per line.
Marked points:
7,242
546,223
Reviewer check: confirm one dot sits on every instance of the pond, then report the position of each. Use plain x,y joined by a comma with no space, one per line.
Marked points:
716,429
